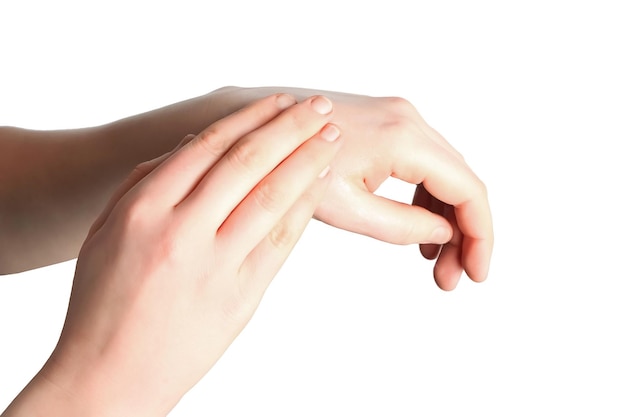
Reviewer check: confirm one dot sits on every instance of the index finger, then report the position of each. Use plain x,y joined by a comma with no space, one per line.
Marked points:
172,181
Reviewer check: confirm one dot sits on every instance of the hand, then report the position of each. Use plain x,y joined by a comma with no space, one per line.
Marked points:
450,216
387,137
178,261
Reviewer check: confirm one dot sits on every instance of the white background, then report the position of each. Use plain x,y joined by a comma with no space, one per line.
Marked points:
532,93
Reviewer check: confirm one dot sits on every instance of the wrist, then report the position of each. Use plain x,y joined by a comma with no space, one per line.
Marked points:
43,397
83,391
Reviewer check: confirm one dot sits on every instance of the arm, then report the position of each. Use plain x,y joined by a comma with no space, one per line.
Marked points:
383,137
174,267
53,184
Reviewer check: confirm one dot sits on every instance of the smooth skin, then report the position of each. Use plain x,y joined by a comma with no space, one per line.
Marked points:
179,258
54,184
178,261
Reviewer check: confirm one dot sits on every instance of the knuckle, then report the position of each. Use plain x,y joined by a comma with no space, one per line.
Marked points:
269,197
458,155
398,114
482,188
409,234
475,189
401,115
165,251
310,198
135,214
158,239
398,125
211,141
245,154
237,308
399,105
282,236
169,250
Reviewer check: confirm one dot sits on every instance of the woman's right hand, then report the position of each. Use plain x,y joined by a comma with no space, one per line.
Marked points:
178,261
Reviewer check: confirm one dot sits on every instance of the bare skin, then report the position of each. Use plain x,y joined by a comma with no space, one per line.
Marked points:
54,184
174,267
177,261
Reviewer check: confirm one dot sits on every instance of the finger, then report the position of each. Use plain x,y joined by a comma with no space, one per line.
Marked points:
449,265
477,248
262,264
453,183
175,179
430,251
268,202
251,159
422,198
358,210
138,173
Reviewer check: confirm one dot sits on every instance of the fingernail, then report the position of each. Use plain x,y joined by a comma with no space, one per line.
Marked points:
440,235
330,133
324,172
285,100
322,105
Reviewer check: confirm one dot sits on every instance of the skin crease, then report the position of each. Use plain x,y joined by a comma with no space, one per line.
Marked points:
139,287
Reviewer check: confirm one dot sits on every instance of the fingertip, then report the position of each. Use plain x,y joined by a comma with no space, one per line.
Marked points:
430,251
447,283
448,268
284,101
330,132
477,276
321,105
476,259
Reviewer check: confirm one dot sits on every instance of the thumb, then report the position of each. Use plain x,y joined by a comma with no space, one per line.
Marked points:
138,173
358,210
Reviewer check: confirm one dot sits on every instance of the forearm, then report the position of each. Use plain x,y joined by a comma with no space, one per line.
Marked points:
53,184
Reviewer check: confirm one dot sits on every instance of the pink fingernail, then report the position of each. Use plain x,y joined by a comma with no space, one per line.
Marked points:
322,105
285,100
330,133
324,172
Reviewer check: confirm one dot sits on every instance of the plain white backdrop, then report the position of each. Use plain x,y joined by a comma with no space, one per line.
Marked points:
532,93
